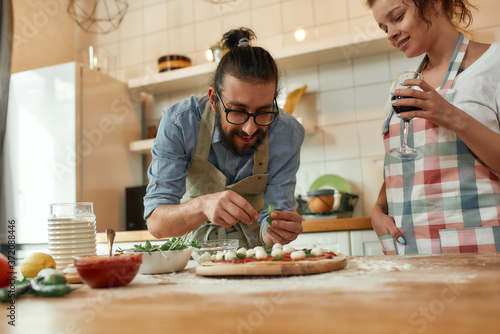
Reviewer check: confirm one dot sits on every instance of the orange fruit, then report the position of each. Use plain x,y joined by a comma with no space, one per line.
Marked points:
320,204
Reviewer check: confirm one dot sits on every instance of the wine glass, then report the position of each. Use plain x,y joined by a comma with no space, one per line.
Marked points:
405,152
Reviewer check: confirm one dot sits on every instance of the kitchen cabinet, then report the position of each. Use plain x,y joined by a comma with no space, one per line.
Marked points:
357,45
345,242
365,243
335,241
350,236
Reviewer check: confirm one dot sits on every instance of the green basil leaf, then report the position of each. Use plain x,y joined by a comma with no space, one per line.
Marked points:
270,209
269,220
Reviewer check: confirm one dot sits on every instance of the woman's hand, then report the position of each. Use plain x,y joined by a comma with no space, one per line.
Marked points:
435,107
483,142
285,228
382,223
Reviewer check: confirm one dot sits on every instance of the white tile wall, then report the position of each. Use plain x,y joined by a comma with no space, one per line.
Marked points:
358,9
332,30
344,99
132,24
297,14
155,18
180,13
267,20
330,11
369,100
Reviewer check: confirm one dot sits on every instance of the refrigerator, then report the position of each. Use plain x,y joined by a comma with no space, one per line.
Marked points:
67,138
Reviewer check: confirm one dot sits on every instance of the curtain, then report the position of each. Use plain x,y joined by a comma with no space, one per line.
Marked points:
6,27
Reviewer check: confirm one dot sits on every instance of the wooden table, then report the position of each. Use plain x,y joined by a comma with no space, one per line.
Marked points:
383,294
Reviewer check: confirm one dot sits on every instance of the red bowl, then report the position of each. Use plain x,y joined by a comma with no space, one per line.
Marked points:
102,271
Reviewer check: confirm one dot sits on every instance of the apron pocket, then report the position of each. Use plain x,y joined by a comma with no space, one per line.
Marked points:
470,240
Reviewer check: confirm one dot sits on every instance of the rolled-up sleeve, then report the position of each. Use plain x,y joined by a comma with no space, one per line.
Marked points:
172,153
284,160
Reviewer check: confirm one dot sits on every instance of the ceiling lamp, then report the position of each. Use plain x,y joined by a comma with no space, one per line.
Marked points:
98,16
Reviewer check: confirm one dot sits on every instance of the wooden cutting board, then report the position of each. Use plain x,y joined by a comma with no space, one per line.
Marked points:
274,268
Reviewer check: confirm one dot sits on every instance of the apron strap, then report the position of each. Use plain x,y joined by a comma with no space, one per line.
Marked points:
206,130
261,157
244,233
456,62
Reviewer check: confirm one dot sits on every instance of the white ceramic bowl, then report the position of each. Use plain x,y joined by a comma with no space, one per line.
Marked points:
164,262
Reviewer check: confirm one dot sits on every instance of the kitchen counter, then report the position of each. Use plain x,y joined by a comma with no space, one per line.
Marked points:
336,224
452,293
309,225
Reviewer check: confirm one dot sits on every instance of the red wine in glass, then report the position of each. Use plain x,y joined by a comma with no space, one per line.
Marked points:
405,152
400,109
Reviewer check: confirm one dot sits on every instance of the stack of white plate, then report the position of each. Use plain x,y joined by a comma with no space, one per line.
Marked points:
69,237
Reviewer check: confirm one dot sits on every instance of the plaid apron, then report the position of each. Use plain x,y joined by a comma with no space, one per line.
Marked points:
447,201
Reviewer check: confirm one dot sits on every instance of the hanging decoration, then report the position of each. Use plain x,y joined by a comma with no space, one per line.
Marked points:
98,16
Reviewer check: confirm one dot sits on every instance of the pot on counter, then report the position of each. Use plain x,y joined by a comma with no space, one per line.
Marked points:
320,200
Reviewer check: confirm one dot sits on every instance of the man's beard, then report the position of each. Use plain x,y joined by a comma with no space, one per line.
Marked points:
227,139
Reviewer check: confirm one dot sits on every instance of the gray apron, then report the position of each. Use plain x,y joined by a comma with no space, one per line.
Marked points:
203,178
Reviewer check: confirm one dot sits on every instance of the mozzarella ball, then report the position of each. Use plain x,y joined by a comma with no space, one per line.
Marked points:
276,252
288,249
204,258
229,256
298,255
260,254
257,248
219,256
250,252
213,257
242,250
280,246
317,251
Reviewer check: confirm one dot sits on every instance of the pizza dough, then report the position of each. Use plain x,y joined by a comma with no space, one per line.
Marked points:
275,261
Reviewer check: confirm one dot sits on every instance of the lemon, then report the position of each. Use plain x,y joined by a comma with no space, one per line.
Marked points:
35,262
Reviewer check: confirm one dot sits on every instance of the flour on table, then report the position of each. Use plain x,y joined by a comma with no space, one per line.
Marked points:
377,266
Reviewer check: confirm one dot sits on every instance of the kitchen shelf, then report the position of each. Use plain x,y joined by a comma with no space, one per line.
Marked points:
303,55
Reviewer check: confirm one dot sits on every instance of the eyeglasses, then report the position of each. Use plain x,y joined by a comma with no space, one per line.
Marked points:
238,117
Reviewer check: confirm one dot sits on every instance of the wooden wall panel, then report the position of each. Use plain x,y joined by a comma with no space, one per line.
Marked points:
44,34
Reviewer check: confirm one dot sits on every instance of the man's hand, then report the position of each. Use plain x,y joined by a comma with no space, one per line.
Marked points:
286,226
227,208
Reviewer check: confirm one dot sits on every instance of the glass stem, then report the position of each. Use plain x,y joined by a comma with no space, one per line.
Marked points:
405,133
